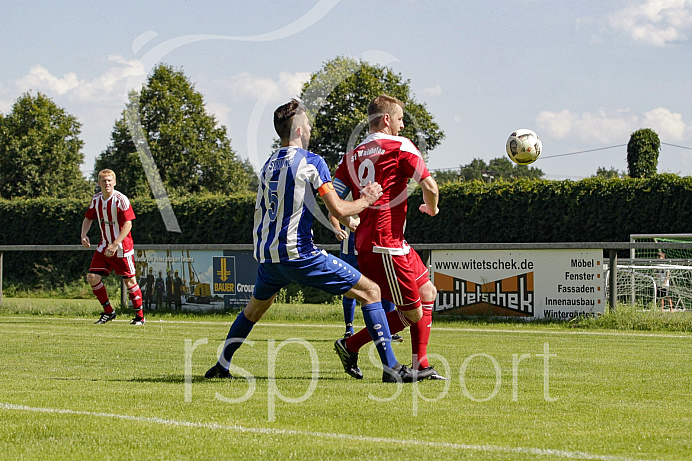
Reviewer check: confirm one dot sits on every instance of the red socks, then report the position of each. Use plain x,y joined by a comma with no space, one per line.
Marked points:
420,335
135,295
101,294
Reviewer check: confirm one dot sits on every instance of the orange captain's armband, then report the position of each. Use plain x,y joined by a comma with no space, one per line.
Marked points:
324,188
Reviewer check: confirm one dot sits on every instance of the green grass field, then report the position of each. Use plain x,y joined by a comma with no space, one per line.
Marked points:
73,390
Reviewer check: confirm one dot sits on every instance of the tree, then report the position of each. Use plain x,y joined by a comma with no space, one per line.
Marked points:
337,97
40,151
191,152
642,153
445,176
252,175
474,170
601,172
498,168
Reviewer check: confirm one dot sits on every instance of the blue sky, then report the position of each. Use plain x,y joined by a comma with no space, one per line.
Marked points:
583,75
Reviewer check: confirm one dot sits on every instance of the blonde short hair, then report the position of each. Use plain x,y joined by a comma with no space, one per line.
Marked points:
106,172
383,104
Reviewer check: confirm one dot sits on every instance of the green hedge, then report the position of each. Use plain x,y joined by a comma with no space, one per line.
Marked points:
591,210
202,219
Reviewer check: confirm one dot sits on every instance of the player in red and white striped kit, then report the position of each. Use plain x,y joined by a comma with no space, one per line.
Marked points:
383,254
115,251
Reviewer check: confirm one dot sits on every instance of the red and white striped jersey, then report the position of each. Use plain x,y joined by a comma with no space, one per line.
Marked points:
111,215
390,161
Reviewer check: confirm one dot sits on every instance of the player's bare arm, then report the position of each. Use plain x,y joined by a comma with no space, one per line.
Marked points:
342,208
339,233
431,196
86,225
351,222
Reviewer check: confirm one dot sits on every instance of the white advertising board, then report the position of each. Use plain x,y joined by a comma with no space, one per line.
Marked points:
558,284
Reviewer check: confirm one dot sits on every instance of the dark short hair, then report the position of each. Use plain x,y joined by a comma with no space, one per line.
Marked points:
283,117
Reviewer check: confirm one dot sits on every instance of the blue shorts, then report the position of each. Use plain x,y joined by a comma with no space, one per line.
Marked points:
322,271
349,258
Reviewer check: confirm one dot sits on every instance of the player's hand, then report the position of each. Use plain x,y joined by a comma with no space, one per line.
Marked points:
371,193
340,234
353,223
425,209
85,242
110,250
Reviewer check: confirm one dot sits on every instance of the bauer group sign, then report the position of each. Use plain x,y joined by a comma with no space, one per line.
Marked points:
558,284
195,280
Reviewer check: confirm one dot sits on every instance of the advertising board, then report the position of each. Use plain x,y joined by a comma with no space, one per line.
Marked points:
558,284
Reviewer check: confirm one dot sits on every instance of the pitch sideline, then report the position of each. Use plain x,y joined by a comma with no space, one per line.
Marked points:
338,326
324,435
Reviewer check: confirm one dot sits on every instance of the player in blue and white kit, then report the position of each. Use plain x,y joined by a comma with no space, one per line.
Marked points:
286,197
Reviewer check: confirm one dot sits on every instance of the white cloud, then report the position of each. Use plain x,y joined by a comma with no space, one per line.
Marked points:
603,128
112,85
96,102
220,110
40,79
245,86
558,124
667,124
292,83
656,22
433,91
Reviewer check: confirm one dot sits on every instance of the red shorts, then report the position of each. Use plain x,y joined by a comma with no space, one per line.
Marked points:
102,265
399,276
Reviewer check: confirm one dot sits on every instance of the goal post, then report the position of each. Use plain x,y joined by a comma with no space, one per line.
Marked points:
657,277
647,285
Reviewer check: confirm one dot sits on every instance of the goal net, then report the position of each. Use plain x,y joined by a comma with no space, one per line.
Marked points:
657,277
667,286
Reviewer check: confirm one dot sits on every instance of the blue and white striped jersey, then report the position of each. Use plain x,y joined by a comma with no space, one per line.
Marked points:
285,204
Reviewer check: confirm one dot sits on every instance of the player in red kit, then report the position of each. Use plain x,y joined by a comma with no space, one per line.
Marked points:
383,254
115,251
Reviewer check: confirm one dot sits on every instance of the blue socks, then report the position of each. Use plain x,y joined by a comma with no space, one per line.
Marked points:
349,311
377,326
239,330
388,306
373,315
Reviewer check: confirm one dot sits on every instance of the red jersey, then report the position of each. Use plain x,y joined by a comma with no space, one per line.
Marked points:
390,161
111,214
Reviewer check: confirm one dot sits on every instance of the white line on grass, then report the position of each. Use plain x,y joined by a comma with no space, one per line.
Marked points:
325,435
437,328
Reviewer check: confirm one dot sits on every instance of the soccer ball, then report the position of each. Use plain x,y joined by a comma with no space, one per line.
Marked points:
524,147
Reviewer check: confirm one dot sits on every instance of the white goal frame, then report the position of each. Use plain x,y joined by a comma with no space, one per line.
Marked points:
643,286
640,268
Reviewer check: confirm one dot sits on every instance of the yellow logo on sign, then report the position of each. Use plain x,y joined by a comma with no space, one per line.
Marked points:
223,273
